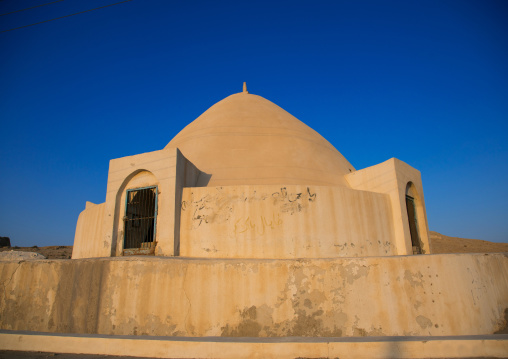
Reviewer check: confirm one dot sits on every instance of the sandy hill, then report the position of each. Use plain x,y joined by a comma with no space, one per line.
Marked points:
439,243
444,244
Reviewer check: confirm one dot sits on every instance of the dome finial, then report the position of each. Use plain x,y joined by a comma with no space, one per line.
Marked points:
245,87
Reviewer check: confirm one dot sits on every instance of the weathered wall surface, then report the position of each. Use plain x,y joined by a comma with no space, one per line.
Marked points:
403,295
285,222
134,171
100,228
89,232
392,178
186,175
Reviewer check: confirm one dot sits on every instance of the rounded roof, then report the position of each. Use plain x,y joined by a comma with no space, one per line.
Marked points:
246,139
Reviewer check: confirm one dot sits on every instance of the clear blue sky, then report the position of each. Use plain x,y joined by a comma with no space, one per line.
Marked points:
423,81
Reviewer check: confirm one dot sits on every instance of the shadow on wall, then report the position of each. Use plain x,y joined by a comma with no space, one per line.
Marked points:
203,179
414,213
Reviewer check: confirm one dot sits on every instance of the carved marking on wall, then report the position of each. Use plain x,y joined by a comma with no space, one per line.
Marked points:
219,208
208,209
257,225
293,202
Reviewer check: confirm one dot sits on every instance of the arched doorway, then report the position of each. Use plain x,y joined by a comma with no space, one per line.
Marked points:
140,220
413,220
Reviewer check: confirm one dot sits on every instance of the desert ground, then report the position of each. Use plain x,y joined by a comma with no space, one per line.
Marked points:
444,244
50,252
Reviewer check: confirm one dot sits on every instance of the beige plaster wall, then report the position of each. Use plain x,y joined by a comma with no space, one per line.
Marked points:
159,164
392,178
434,295
187,175
256,221
100,229
285,222
89,232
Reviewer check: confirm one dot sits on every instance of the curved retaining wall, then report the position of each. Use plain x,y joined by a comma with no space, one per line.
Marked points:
405,295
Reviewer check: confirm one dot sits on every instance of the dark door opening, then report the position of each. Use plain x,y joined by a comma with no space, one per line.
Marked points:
413,225
140,221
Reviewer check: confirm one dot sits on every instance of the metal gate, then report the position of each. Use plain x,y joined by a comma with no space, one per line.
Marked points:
413,225
140,220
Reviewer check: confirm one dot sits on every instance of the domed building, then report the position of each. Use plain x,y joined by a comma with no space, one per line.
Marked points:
244,236
246,179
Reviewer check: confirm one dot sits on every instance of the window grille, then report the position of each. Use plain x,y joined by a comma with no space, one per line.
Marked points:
140,218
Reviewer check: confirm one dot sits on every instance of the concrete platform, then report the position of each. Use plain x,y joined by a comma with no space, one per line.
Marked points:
471,346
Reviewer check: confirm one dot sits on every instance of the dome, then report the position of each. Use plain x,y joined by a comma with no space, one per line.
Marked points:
246,140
